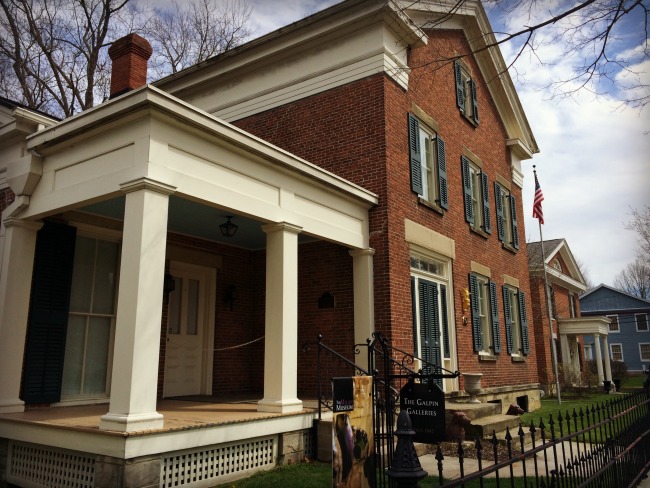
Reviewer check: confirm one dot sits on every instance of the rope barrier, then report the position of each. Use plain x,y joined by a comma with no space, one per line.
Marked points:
239,345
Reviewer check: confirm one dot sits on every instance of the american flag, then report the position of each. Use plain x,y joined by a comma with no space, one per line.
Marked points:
537,203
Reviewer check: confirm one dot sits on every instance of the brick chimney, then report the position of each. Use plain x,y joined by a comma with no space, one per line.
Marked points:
129,55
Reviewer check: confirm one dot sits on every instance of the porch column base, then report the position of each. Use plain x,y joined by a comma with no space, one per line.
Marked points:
12,406
279,406
131,422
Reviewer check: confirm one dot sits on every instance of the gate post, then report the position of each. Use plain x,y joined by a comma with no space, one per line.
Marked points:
405,470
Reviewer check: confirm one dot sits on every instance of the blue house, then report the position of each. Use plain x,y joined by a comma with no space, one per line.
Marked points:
629,329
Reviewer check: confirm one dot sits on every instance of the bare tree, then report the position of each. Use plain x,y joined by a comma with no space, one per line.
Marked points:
590,33
184,34
584,271
635,279
53,54
641,225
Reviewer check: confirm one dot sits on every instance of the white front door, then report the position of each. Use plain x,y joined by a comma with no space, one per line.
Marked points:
187,353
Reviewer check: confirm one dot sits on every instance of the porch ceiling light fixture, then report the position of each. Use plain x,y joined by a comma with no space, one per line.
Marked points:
228,229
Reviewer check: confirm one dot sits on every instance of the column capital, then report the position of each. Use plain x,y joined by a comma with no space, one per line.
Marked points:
22,223
369,251
281,226
147,184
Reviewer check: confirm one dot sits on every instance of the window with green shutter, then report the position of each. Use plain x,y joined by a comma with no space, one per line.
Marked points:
466,92
506,215
514,305
428,163
485,315
476,196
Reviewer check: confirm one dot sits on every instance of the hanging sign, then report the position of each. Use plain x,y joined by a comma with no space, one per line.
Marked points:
425,404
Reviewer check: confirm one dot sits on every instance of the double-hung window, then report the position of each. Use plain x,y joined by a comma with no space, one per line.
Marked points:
613,324
428,164
466,98
485,315
644,351
506,207
616,352
476,194
514,306
573,309
641,322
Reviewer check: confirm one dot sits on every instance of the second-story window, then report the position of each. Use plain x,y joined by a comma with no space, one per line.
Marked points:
466,98
476,194
428,164
506,210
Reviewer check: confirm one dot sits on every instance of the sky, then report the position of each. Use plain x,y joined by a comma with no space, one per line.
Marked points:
594,160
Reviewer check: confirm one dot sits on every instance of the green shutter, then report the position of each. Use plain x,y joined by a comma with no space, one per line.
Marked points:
476,314
508,318
445,322
513,213
415,154
48,313
467,189
430,326
524,323
443,201
415,318
485,193
425,320
494,309
501,230
472,89
460,89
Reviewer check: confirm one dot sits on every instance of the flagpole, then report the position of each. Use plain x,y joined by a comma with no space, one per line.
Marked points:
548,302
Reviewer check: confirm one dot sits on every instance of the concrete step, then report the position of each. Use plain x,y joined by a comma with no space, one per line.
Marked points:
485,426
472,410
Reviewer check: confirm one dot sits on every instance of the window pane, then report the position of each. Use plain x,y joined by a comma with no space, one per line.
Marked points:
82,274
104,292
99,332
642,322
192,307
174,312
645,352
74,353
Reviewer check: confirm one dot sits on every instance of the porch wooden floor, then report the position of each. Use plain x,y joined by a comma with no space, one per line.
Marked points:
178,415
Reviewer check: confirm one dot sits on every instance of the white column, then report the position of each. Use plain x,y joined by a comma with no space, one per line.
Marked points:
139,311
364,300
566,355
599,359
608,366
281,333
15,290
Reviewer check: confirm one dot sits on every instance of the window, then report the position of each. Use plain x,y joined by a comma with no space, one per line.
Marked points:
641,322
589,352
613,325
557,265
573,309
428,164
476,194
466,98
616,352
551,290
644,351
429,308
91,320
485,315
507,228
514,306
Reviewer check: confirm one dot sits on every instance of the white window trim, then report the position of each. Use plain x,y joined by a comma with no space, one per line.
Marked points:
618,324
515,327
429,164
636,323
641,352
611,353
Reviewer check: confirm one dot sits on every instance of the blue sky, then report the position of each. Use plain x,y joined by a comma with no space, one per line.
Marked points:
594,160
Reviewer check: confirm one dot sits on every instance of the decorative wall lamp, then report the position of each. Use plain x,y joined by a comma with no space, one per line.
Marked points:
230,295
464,297
228,229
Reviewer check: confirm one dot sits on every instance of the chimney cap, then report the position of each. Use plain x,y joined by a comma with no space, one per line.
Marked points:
131,42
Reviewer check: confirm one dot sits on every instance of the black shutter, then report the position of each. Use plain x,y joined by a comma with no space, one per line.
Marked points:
415,154
430,326
494,309
467,189
460,89
508,318
485,193
501,230
442,174
415,318
472,89
524,323
48,314
513,214
476,314
445,322
425,320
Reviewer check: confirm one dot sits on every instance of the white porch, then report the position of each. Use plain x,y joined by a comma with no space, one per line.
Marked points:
570,329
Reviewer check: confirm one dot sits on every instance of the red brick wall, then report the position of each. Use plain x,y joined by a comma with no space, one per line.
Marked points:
6,198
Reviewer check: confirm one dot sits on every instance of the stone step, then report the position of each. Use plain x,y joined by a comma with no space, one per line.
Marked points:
472,410
485,426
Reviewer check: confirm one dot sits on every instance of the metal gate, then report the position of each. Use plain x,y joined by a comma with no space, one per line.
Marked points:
391,368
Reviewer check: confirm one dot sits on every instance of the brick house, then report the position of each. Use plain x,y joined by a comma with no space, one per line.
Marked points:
374,173
562,307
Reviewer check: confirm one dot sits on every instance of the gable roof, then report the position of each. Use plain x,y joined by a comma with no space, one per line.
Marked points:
603,299
571,279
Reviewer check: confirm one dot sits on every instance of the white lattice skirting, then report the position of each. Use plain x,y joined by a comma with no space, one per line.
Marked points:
36,466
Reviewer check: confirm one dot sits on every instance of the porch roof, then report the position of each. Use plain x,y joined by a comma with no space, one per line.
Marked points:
584,326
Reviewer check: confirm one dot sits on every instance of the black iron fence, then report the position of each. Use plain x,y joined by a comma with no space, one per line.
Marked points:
606,445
